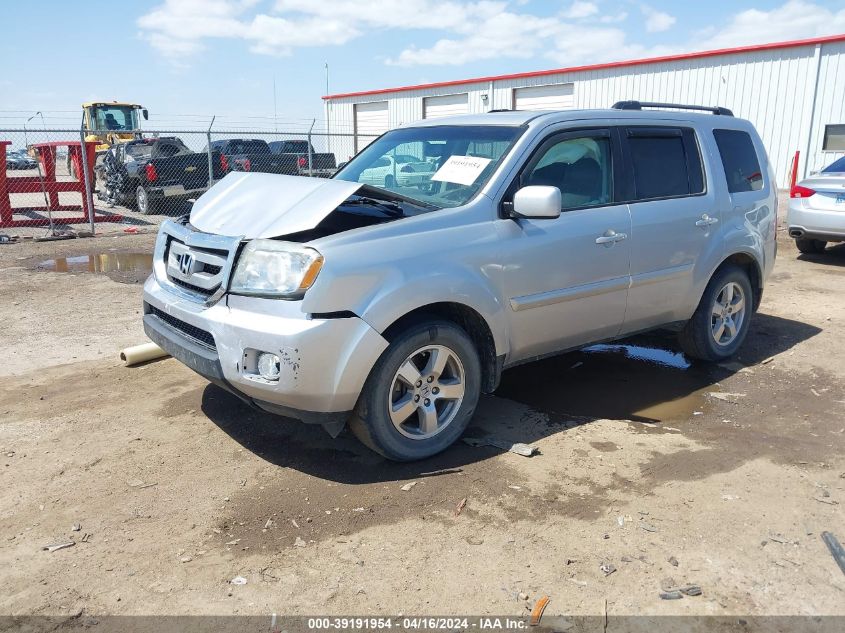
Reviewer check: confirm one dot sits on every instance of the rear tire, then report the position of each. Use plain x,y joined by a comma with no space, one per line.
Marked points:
810,247
421,393
720,323
143,202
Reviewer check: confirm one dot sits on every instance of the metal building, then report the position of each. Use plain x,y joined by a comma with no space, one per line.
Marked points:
793,92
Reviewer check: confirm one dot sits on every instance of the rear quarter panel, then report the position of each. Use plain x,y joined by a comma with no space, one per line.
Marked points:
749,217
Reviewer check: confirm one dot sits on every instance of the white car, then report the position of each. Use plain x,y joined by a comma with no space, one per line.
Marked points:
399,170
817,209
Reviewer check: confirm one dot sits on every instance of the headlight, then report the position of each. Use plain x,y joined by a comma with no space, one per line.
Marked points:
269,268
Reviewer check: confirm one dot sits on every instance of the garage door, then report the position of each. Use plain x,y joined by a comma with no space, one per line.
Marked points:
558,97
449,105
370,122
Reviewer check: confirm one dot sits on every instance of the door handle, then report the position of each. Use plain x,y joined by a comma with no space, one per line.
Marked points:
611,237
706,220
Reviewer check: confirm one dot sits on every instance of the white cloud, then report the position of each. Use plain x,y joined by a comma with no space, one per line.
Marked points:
796,19
579,10
613,18
657,21
468,31
178,27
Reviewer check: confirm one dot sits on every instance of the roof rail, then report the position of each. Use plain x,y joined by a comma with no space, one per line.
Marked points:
500,110
639,105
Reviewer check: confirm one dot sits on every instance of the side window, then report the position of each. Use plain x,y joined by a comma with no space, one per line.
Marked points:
580,167
666,163
742,169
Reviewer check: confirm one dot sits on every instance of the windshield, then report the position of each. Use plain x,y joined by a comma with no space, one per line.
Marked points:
115,118
835,166
443,165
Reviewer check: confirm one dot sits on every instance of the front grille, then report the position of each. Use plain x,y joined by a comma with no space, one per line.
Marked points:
192,288
198,335
199,270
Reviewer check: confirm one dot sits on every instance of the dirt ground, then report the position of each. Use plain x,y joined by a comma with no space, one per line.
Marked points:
171,488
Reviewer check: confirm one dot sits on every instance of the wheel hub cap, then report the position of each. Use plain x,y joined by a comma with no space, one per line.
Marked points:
426,392
728,314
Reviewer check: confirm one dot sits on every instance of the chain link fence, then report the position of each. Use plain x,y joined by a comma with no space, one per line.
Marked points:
136,178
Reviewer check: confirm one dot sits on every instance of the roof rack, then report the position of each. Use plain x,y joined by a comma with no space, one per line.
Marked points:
499,110
639,105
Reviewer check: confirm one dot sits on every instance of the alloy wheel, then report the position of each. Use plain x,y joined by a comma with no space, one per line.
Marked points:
426,392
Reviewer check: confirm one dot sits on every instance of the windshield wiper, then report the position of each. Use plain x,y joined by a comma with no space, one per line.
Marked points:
378,191
393,209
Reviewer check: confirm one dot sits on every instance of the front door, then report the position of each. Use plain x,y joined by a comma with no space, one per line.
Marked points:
566,279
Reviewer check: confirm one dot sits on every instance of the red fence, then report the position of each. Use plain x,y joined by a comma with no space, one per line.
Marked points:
49,186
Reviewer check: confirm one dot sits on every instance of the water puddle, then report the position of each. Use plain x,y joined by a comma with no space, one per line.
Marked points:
617,381
126,267
100,263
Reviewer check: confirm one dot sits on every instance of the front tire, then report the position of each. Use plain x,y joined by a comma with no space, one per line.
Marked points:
720,323
810,247
421,393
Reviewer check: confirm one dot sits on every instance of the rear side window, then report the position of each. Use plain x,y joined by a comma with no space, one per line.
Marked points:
296,147
835,167
666,162
742,169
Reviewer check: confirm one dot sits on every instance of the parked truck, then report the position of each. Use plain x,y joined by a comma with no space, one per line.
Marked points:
249,154
148,172
321,165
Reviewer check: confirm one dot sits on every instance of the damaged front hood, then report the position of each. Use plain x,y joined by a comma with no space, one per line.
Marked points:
268,205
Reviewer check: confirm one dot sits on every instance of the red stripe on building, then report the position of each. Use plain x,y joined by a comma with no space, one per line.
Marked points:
572,69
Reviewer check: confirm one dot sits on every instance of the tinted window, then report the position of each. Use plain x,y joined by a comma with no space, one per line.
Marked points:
834,138
742,169
836,166
666,163
580,168
296,147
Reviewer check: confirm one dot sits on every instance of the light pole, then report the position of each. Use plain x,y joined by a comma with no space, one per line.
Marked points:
38,165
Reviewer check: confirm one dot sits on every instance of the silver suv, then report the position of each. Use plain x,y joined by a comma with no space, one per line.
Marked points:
391,296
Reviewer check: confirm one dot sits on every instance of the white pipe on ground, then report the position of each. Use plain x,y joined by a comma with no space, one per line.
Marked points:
141,354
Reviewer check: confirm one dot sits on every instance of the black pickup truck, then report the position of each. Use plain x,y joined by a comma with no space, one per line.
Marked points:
323,165
251,154
148,172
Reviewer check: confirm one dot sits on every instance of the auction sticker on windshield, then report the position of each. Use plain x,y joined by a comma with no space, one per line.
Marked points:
461,170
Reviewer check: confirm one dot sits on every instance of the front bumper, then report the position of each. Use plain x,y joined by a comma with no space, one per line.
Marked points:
806,222
324,362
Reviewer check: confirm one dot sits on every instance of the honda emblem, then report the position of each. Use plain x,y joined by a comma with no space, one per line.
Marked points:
186,263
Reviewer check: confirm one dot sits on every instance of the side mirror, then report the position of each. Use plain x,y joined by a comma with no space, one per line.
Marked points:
537,201
146,114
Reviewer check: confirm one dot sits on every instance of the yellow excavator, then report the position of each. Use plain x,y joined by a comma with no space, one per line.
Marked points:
112,122
109,123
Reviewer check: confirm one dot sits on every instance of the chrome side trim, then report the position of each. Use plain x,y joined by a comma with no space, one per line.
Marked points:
664,274
551,297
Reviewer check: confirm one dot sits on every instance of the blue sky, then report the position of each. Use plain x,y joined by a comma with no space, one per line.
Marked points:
203,57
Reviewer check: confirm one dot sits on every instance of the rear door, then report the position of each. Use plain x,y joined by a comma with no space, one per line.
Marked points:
674,221
566,279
